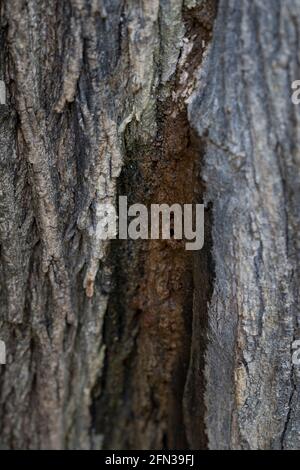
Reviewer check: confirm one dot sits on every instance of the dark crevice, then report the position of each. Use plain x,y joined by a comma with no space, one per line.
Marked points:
165,402
153,381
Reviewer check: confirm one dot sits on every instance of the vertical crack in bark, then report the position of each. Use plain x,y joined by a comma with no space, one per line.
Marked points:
153,384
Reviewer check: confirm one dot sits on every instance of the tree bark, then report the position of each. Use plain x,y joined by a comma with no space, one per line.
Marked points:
141,344
250,127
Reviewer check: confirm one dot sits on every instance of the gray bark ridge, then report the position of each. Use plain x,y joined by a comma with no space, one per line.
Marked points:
243,112
61,157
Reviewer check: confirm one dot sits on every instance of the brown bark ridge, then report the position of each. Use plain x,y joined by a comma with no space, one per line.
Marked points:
140,344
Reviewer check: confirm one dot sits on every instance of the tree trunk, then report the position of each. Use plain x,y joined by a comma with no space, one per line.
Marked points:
141,344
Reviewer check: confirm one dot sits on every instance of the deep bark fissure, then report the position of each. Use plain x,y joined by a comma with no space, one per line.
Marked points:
165,170
129,315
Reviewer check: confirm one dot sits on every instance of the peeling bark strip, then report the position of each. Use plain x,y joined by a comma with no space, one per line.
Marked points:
137,344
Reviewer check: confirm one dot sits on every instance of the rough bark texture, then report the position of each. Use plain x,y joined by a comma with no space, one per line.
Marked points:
141,344
244,113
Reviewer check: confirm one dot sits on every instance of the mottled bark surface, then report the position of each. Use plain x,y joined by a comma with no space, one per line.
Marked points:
250,128
141,344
